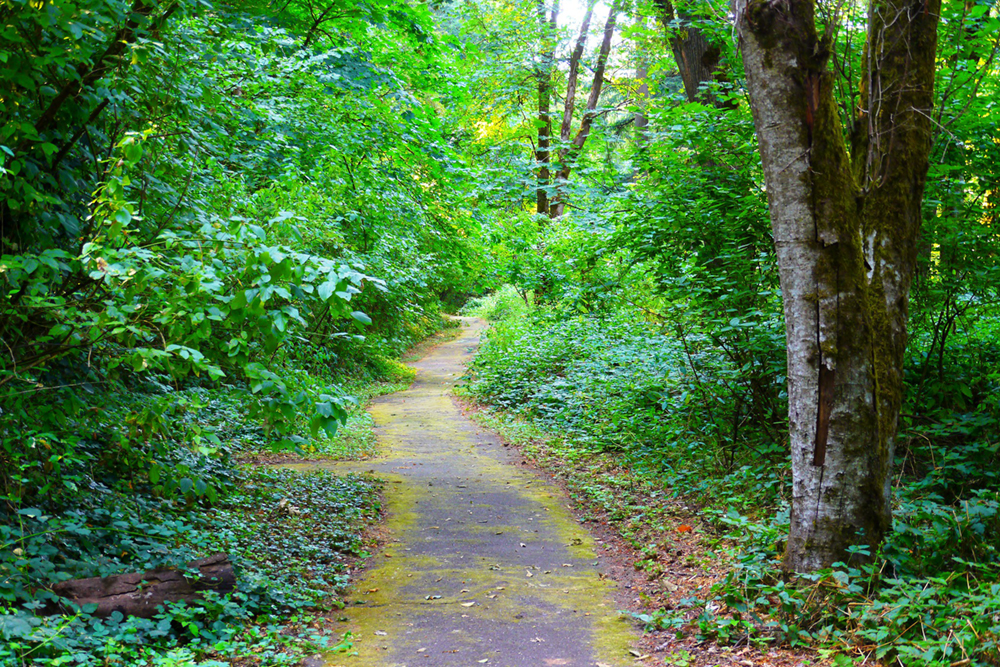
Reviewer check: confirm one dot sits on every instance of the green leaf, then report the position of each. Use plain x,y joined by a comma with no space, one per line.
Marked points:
326,290
34,513
133,151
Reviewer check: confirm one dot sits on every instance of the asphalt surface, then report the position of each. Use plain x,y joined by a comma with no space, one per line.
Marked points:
484,563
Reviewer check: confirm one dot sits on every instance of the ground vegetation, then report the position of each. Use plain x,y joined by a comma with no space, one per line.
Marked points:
223,224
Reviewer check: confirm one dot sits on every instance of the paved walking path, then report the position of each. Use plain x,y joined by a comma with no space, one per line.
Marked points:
484,564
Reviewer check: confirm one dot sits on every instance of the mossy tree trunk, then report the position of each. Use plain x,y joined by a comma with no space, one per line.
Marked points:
845,217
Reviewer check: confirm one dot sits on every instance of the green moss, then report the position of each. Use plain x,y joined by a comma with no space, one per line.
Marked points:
422,426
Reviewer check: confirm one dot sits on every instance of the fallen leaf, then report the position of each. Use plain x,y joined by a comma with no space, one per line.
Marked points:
684,528
528,572
468,604
421,650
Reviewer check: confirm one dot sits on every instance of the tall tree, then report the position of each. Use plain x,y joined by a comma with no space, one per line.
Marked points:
543,155
571,144
698,59
845,217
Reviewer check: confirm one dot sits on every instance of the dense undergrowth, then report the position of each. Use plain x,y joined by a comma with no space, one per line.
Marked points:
293,537
222,223
621,399
205,262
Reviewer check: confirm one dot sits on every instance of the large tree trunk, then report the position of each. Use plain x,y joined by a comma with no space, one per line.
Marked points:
845,227
698,60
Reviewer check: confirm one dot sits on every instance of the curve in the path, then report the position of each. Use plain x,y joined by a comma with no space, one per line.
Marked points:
485,565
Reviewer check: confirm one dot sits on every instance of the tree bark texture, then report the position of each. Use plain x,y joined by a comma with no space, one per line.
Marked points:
698,60
571,148
141,593
845,225
641,120
543,152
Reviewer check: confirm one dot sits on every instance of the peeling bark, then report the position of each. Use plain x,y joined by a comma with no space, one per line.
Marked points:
845,227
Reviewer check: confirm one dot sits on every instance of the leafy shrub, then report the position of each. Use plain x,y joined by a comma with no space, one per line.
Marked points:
930,597
609,383
501,305
291,536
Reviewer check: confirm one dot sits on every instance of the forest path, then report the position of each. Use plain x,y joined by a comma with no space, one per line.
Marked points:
484,565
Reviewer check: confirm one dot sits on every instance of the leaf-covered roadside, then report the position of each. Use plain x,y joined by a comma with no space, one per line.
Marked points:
216,239
623,415
293,538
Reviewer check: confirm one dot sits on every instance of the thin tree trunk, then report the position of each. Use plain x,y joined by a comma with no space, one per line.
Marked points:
845,228
543,152
574,74
641,121
568,154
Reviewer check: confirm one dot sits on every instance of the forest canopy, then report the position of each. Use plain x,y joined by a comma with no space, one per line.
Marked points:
222,225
